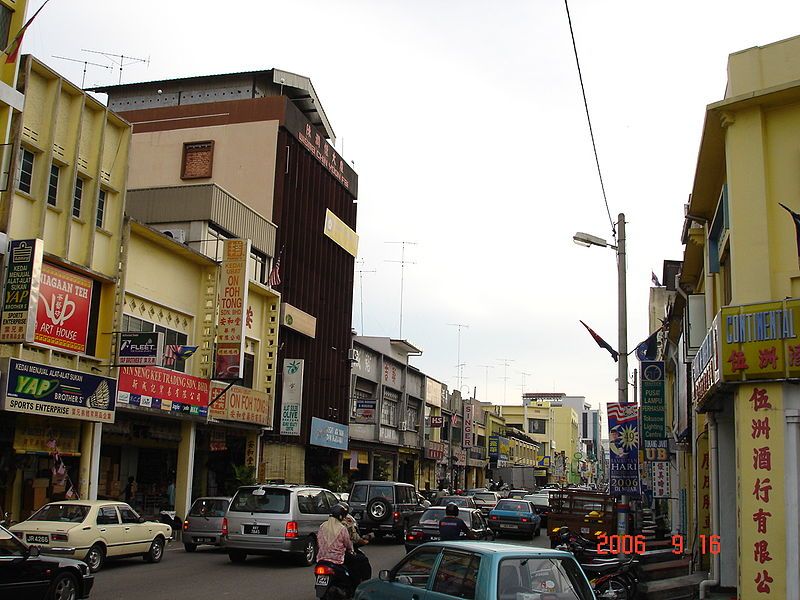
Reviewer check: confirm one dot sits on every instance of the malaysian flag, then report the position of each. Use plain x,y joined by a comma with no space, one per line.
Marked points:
622,413
274,278
174,352
601,342
654,279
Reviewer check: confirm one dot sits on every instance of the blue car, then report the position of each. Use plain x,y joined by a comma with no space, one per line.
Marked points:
515,516
480,570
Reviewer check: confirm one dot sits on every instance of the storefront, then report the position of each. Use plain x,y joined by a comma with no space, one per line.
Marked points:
407,467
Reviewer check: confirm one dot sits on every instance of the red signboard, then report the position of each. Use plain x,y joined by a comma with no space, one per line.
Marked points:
62,317
154,387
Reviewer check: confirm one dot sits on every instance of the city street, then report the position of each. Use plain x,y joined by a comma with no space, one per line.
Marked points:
208,575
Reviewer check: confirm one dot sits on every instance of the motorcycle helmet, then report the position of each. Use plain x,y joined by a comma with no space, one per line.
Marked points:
451,510
346,507
338,511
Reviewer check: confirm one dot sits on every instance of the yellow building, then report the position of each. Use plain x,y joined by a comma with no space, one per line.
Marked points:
741,262
68,191
12,12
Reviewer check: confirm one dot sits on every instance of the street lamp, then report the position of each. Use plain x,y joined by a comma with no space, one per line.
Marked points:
584,239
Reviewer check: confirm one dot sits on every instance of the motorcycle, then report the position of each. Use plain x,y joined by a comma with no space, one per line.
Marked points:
339,582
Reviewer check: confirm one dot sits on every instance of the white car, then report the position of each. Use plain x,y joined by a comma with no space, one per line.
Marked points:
93,530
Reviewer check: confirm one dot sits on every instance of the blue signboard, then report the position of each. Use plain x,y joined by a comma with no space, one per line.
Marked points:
623,428
33,388
329,434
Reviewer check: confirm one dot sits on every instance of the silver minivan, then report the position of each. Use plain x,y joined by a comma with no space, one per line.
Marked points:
266,519
206,522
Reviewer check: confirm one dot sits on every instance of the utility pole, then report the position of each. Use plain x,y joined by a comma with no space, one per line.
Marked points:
361,272
458,361
506,362
622,348
403,262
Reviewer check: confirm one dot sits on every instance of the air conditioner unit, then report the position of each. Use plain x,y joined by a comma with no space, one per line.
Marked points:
179,235
352,355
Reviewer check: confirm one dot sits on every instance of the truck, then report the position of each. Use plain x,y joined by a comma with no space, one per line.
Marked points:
517,478
582,511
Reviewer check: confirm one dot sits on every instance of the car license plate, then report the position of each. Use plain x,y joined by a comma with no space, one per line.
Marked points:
433,538
203,540
323,579
584,530
32,538
507,526
358,515
256,529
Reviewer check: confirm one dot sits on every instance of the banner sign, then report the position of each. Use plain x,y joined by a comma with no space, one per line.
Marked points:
163,389
437,422
292,396
654,403
623,422
341,233
660,479
62,315
241,404
32,434
328,434
435,450
469,414
499,449
37,389
143,349
364,410
302,322
232,303
656,450
21,292
705,364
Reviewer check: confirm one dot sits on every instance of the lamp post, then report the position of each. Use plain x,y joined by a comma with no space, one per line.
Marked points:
584,239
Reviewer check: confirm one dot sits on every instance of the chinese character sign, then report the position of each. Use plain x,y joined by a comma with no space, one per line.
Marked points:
21,291
760,424
660,479
623,427
292,396
62,315
232,301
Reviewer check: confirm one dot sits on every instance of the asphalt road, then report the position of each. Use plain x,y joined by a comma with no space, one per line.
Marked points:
208,575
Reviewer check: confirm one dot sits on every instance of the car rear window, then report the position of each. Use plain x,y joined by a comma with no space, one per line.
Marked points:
432,516
359,493
62,513
204,507
382,491
513,505
273,501
485,497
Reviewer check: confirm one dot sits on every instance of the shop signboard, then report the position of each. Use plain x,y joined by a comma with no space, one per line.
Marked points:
232,307
163,389
140,348
328,434
433,392
21,291
469,414
654,404
656,450
37,389
437,422
62,315
543,461
435,450
341,233
623,427
33,435
241,404
499,449
660,479
292,396
302,322
705,364
364,410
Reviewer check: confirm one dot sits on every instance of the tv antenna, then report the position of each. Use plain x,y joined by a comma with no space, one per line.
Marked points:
403,262
506,362
362,263
85,63
459,364
119,59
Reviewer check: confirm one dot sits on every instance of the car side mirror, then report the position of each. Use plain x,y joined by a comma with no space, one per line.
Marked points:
33,551
141,520
385,575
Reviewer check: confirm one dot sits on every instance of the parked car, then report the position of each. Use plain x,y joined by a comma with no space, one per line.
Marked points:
485,570
385,507
515,516
92,531
206,522
460,501
486,501
517,494
25,574
427,530
267,519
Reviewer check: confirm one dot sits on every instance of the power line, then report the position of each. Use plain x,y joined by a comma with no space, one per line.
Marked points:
589,119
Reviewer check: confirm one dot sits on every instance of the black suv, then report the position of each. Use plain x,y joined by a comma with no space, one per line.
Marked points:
385,507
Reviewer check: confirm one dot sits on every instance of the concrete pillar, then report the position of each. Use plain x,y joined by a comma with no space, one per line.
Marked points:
85,476
185,471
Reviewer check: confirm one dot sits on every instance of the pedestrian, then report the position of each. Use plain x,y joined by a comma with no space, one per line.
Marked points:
452,526
130,490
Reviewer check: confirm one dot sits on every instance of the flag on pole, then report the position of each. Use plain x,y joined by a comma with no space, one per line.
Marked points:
601,342
654,279
454,419
12,51
173,353
796,219
274,278
648,349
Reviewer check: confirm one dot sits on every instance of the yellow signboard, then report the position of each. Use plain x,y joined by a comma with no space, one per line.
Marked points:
302,322
340,232
760,341
38,435
241,404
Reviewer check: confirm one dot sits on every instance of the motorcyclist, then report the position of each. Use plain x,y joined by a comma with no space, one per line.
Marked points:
333,541
452,526
357,563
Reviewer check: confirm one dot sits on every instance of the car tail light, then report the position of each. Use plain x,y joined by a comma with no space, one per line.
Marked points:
59,537
323,570
524,519
291,530
396,516
493,517
224,525
186,525
410,537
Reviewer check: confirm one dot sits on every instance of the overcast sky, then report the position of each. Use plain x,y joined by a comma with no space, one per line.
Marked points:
465,123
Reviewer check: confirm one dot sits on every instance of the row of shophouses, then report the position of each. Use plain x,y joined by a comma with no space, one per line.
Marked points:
727,321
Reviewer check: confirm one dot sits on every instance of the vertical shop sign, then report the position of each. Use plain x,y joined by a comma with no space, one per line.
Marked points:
62,314
624,446
292,396
654,405
469,412
232,301
660,471
21,291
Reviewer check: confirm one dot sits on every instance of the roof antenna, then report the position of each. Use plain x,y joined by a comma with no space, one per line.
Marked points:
120,60
86,63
